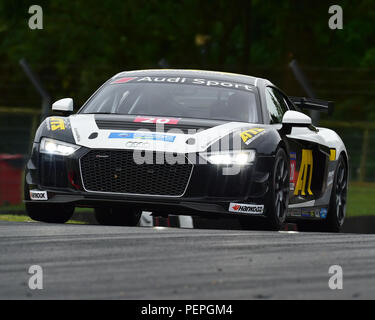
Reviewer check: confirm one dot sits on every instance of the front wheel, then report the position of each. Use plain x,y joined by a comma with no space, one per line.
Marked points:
117,216
47,212
277,199
51,213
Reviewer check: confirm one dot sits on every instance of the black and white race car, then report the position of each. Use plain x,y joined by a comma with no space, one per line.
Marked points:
189,142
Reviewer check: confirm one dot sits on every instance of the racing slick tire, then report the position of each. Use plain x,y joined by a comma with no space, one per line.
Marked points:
277,198
51,213
45,212
117,216
337,205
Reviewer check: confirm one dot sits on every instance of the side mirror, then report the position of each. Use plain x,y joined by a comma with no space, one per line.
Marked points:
295,118
63,105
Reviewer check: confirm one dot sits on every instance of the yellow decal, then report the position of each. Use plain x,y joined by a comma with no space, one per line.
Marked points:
307,161
57,124
332,156
248,135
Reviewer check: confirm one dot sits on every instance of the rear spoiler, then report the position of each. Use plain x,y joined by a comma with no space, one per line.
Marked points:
313,104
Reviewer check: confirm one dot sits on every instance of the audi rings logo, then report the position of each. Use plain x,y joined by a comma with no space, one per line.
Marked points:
137,144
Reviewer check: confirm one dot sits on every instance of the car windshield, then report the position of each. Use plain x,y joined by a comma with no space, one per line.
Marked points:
179,97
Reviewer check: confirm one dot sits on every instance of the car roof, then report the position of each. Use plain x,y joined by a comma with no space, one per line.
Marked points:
214,75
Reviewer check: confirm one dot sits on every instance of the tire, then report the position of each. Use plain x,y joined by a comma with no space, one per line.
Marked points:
117,216
277,199
46,212
337,204
51,213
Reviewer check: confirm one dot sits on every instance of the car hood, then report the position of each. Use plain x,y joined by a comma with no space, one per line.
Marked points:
181,135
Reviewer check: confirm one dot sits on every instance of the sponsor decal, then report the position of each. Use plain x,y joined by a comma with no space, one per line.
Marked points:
143,136
225,84
196,81
246,208
38,195
332,155
56,124
294,212
317,213
77,135
123,80
293,171
323,213
249,135
157,120
163,79
330,177
137,144
303,184
311,213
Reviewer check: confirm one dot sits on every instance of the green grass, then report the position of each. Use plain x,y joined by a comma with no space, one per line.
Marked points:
21,207
361,199
14,213
14,217
22,218
12,208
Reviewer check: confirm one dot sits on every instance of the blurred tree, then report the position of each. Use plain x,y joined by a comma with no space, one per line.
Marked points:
85,42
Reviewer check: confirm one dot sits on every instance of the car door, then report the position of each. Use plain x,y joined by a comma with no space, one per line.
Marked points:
307,151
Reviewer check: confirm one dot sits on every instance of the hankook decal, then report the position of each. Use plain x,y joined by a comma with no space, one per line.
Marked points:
246,208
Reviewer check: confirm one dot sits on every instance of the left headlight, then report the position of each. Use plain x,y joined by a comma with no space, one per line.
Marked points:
61,148
242,157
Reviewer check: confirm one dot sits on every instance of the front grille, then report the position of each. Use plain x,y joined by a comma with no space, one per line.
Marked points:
115,171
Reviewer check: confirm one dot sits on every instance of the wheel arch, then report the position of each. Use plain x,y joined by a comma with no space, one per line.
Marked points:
344,154
283,145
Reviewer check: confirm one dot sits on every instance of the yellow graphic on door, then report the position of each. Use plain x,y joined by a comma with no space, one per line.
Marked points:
306,168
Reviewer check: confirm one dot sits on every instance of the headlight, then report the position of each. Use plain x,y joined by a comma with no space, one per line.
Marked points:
61,148
242,157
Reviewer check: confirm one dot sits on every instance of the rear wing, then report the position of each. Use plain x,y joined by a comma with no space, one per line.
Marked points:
313,104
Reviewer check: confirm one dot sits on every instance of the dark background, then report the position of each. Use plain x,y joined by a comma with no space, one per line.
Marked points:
85,42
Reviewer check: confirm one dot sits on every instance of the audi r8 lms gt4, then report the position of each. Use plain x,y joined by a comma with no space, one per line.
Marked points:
187,142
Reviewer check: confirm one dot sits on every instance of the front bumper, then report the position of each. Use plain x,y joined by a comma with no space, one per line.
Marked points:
207,207
208,192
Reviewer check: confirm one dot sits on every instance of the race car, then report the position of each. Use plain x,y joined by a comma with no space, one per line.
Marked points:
189,142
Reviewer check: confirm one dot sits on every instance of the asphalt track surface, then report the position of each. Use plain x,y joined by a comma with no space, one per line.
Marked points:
99,262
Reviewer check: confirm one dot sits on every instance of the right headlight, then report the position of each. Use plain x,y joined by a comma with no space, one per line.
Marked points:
241,157
52,146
